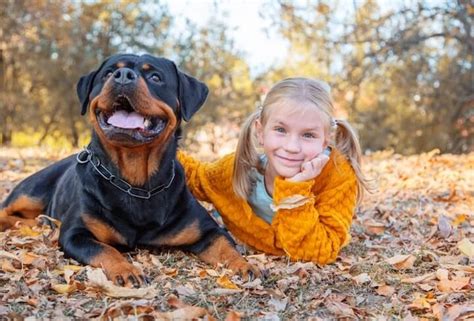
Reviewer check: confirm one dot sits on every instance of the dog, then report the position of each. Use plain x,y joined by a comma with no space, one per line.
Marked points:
126,189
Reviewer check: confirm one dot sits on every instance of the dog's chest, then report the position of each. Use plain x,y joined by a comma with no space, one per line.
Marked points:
139,213
136,220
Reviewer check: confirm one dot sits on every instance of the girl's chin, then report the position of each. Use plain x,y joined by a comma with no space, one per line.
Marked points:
288,172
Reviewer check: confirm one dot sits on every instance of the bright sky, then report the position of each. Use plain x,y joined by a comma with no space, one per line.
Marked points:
260,50
248,28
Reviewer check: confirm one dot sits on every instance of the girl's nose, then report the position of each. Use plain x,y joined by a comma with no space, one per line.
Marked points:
292,144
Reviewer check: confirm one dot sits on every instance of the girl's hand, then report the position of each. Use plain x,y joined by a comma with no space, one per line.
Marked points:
310,169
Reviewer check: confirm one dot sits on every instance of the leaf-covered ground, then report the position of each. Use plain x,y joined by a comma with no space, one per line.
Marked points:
411,257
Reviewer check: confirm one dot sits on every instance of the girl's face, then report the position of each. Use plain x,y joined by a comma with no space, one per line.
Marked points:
294,133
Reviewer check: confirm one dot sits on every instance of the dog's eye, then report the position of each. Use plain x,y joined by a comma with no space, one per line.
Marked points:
155,77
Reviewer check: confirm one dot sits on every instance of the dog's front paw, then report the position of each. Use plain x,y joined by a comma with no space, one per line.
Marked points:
245,269
125,274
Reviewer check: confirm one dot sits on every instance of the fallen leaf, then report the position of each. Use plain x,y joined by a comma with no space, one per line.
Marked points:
425,287
27,231
67,275
418,279
442,274
448,197
187,313
233,316
444,226
8,255
64,288
278,305
258,257
28,258
362,278
7,266
465,268
340,309
456,311
455,284
156,261
33,302
224,282
74,268
255,284
420,303
402,261
170,272
212,272
459,219
174,302
185,290
438,311
221,291
450,259
373,227
269,316
466,247
385,290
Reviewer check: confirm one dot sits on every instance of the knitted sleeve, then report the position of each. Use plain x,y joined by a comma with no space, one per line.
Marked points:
314,227
204,178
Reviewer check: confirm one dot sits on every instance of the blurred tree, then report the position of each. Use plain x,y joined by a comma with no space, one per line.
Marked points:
209,54
404,75
46,45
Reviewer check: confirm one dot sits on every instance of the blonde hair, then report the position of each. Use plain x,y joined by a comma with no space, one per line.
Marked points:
303,90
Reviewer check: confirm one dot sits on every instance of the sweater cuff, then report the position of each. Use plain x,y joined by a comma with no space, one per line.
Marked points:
284,189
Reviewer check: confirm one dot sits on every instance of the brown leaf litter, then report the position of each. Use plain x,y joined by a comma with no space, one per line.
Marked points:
411,256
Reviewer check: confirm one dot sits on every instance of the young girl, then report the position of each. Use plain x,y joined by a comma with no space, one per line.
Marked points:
298,196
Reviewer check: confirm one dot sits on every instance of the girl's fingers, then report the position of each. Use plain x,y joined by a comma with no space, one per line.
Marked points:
311,169
307,167
318,163
324,160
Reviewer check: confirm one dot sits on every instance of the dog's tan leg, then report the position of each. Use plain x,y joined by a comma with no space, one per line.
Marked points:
221,251
24,209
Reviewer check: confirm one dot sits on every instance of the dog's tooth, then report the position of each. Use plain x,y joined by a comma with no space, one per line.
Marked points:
147,123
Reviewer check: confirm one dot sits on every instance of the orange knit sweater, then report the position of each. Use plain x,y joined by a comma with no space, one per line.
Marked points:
314,229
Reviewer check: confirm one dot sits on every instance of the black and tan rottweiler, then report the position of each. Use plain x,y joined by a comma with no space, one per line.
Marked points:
126,189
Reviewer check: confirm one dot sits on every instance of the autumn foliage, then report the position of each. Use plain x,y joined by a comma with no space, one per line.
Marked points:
411,256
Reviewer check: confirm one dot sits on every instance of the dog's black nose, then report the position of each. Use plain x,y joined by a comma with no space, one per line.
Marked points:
124,76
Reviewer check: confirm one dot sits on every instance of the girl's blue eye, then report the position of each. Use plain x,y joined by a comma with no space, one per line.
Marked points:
279,129
309,135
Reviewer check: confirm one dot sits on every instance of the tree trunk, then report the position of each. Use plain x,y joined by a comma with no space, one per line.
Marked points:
6,137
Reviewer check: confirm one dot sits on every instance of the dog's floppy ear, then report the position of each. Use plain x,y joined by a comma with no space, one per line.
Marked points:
192,94
85,85
84,88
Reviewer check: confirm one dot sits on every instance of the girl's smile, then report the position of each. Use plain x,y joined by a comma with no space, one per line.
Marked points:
292,162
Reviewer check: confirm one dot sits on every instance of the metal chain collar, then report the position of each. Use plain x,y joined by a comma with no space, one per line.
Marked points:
86,155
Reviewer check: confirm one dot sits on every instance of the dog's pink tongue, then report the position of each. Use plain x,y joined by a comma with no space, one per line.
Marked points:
123,119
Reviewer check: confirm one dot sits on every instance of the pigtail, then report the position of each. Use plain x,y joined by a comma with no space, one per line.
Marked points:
246,158
348,144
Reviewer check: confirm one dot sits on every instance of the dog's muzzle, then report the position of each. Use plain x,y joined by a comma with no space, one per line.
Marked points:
124,122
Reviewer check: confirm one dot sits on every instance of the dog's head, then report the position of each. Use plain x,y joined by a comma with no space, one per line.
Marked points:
137,100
